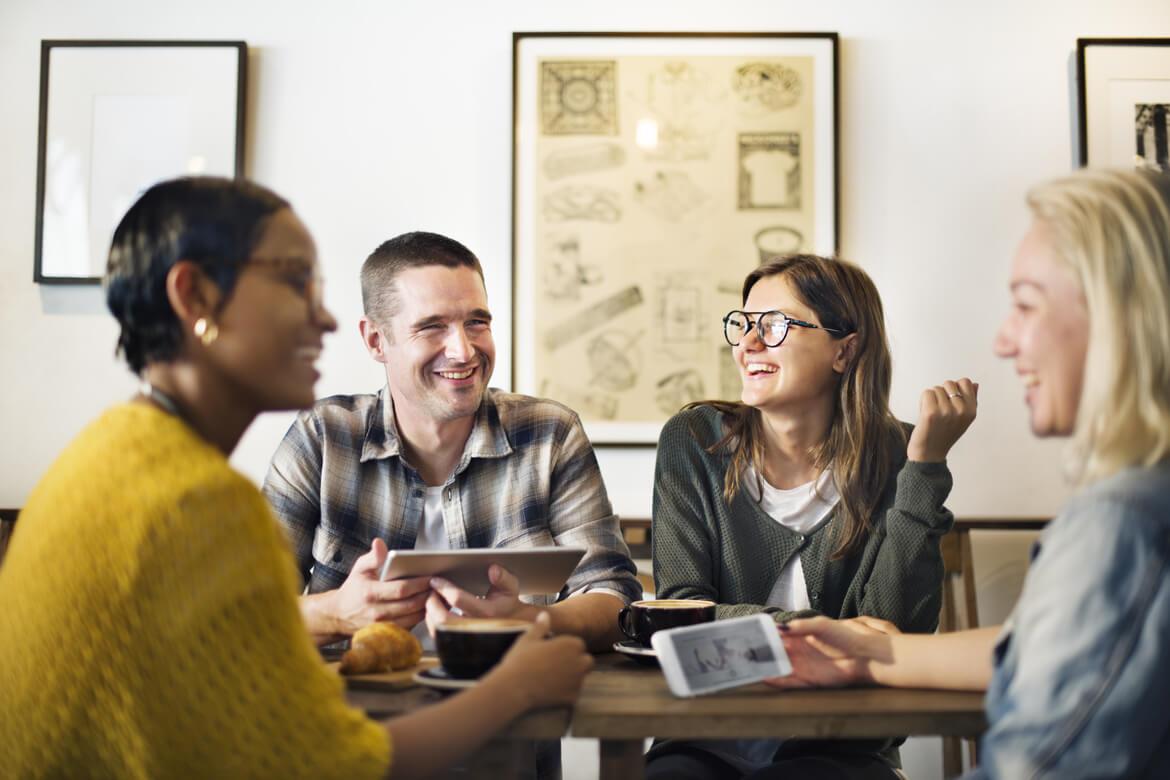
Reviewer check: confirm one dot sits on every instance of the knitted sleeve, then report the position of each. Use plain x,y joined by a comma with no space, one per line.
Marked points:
240,689
901,573
682,545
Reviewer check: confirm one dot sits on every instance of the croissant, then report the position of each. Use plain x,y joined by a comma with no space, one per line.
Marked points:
380,647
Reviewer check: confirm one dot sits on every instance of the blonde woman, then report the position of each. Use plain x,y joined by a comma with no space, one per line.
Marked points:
1077,681
149,626
808,497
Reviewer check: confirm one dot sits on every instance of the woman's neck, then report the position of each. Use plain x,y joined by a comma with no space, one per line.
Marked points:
789,441
212,410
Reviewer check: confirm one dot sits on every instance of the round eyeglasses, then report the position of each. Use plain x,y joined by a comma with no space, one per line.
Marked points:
771,326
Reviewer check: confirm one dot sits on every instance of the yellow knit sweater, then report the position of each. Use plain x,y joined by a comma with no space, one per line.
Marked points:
149,625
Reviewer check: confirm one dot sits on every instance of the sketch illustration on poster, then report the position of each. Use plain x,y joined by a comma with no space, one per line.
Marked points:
651,174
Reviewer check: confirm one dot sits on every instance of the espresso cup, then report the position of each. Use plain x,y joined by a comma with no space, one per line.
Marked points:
468,647
642,619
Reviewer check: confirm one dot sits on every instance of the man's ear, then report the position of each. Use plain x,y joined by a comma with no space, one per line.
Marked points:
846,351
374,339
192,294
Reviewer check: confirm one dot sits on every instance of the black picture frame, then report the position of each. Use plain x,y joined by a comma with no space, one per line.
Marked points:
195,94
1121,84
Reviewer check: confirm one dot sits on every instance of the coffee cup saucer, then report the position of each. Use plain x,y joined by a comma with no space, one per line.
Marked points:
436,677
643,655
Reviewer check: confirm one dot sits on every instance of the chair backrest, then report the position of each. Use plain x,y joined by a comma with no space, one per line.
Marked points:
960,610
7,524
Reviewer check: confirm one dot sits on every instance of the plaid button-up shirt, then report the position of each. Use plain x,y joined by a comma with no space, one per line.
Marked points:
527,478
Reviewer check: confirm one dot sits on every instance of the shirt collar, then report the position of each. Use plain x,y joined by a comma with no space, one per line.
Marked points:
488,438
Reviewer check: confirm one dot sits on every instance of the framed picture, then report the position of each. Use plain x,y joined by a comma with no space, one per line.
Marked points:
117,117
651,173
1123,89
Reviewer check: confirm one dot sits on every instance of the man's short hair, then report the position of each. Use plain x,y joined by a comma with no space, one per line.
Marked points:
410,250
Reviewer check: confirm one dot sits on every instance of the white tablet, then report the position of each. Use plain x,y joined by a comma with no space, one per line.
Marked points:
541,570
723,654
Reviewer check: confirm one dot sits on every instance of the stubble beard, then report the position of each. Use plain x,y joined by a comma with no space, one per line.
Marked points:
466,401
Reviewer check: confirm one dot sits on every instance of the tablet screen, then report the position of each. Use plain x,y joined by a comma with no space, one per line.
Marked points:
539,570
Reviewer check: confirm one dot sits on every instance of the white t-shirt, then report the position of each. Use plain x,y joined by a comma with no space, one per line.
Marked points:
432,535
802,509
432,531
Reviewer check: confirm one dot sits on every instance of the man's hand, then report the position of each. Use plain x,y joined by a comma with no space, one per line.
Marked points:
945,413
501,601
363,598
827,653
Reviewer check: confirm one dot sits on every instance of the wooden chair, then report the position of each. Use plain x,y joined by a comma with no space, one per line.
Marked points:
960,611
636,532
7,524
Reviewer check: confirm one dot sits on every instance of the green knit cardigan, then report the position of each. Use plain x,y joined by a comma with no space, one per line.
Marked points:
732,554
705,548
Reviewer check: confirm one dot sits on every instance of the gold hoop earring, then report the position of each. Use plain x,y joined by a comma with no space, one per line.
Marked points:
206,331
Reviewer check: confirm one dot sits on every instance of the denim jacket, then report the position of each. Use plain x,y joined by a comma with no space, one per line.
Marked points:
1081,686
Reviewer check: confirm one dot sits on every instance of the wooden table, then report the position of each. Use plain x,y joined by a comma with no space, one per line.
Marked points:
622,703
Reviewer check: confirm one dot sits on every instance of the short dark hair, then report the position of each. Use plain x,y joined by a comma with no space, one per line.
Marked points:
409,250
210,221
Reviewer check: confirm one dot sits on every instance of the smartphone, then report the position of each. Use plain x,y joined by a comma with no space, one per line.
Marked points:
710,657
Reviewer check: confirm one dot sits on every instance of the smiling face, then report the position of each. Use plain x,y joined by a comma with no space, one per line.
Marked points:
804,370
272,326
1046,333
438,347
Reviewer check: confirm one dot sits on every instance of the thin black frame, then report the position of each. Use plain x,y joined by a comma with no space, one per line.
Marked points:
47,46
1082,116
517,37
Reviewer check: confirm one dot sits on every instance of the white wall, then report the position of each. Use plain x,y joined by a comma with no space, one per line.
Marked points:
375,118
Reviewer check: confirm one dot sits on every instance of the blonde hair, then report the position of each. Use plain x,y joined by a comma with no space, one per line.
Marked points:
865,441
1112,228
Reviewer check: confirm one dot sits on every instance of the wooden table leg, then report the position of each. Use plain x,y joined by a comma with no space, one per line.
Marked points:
952,749
622,759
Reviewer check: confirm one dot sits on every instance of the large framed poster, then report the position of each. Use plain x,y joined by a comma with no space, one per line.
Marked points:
1123,101
651,173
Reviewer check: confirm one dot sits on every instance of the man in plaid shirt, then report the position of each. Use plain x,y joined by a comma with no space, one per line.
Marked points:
437,460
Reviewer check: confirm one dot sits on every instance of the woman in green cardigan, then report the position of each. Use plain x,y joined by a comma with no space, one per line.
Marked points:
809,497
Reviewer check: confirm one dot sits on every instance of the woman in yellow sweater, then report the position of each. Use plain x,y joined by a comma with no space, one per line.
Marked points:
149,625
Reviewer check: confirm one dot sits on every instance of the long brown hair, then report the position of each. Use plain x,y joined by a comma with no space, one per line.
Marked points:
864,436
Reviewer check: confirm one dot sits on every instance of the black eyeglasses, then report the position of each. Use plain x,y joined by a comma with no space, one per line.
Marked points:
300,274
771,326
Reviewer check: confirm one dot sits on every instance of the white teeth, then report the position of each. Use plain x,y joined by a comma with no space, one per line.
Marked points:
309,353
755,368
1030,380
457,374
